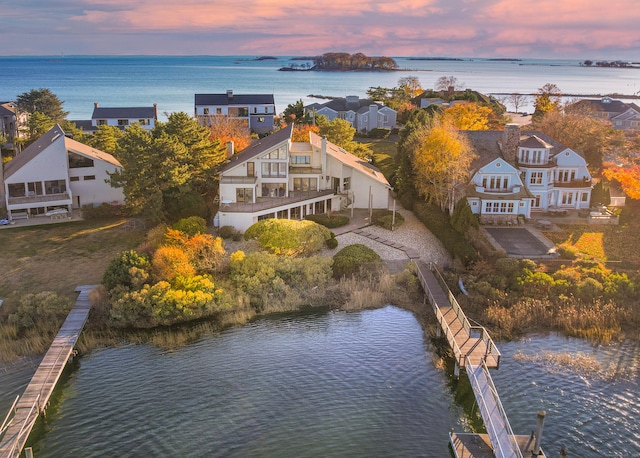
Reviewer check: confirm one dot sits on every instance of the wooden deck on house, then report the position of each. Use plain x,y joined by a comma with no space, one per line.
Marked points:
36,396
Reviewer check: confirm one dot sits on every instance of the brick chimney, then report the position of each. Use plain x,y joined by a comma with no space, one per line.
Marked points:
229,94
95,104
155,111
510,142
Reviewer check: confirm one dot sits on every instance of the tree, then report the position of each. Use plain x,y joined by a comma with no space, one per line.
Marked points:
175,159
301,132
294,113
105,138
467,116
410,85
225,130
289,237
38,124
441,163
340,133
629,179
448,85
516,100
547,100
462,218
42,101
580,132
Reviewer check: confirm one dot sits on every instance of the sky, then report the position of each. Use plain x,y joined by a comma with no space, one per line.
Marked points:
572,29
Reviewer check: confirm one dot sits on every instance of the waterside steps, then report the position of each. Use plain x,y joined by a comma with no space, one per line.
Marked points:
474,350
18,423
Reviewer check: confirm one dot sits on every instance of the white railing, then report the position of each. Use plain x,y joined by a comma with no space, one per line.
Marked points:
498,428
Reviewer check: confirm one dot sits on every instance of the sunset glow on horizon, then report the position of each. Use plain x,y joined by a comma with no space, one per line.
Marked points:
576,29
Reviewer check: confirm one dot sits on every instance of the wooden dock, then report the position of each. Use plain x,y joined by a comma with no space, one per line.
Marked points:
36,396
468,445
466,341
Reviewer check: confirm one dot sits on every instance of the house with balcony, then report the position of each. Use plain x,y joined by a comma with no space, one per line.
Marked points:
278,178
519,173
257,111
56,174
363,114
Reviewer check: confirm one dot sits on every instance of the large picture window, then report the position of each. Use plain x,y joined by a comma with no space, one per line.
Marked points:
274,169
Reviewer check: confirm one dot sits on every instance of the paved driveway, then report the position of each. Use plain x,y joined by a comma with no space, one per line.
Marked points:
519,242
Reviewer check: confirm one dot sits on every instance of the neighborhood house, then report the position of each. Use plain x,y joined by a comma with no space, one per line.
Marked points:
256,111
363,114
56,174
517,173
278,178
120,117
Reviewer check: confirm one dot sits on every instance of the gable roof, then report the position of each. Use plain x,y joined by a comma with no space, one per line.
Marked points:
7,109
341,104
259,146
533,141
604,104
234,99
350,160
45,141
124,113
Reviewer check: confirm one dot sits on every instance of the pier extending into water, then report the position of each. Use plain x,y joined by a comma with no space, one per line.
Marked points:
474,350
26,409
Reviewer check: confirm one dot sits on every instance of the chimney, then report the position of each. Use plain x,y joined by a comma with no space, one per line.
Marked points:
230,149
229,93
155,111
510,142
95,104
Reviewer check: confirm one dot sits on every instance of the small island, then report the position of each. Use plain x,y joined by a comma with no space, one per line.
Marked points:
345,62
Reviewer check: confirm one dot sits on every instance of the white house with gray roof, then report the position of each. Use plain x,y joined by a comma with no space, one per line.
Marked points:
517,173
57,173
623,116
278,178
257,111
363,114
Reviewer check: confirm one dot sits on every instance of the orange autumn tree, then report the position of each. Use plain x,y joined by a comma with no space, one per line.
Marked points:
468,116
629,179
227,130
301,132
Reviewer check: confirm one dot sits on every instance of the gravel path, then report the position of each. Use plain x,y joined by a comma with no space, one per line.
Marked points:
412,233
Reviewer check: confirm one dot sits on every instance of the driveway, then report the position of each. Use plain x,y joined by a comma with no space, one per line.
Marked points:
521,242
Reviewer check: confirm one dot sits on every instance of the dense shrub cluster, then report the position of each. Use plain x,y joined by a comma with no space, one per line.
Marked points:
230,232
379,133
385,219
45,306
330,221
103,211
289,237
191,226
352,259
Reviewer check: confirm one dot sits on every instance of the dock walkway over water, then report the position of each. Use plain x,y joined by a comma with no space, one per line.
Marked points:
18,424
474,350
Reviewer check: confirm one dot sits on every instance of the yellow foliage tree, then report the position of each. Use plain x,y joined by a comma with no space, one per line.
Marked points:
468,116
441,160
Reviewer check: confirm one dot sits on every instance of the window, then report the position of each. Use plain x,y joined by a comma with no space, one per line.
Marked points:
251,169
346,183
244,195
219,111
585,196
55,186
567,198
536,178
101,122
301,159
305,184
77,161
16,190
89,177
536,203
260,118
34,188
123,122
255,110
266,110
273,189
144,122
280,153
205,111
74,178
274,169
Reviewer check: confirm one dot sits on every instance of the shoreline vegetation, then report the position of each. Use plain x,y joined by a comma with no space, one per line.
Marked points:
345,62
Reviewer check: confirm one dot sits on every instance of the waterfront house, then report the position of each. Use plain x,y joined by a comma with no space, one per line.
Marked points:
519,173
9,121
363,114
56,174
623,116
257,111
278,178
120,117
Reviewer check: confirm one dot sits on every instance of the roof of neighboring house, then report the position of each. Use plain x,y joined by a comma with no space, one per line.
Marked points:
7,109
234,99
47,139
259,146
124,113
605,104
486,144
341,104
84,124
349,159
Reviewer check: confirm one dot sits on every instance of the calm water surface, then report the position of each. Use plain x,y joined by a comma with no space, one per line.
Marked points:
336,385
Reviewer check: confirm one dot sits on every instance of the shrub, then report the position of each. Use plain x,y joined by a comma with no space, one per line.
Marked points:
191,226
332,242
44,306
169,262
288,237
227,232
205,252
128,269
379,133
329,221
384,218
103,211
352,259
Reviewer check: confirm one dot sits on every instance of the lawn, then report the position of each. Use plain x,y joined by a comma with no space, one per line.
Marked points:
59,257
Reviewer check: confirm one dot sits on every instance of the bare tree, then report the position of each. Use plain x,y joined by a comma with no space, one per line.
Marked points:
448,85
516,100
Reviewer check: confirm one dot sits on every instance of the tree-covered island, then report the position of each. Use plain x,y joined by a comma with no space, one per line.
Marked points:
345,62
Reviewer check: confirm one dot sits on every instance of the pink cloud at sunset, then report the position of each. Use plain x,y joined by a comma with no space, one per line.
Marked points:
463,28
